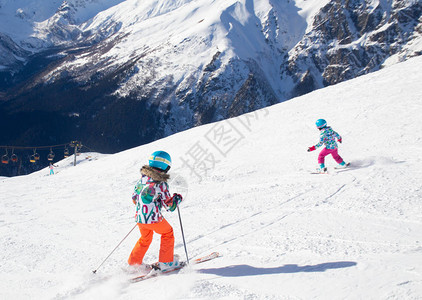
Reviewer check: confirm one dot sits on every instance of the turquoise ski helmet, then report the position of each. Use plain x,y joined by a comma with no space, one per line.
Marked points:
160,160
321,123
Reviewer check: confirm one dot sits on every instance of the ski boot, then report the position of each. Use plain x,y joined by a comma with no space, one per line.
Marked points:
342,165
166,266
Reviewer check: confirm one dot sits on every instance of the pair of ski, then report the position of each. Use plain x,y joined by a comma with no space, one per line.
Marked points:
154,273
319,171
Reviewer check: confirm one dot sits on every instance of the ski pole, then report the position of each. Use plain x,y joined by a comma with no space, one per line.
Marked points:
183,236
95,271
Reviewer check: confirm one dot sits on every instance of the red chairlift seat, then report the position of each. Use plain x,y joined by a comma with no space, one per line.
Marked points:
14,158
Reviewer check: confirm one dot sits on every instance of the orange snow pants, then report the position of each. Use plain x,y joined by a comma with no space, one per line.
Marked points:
147,231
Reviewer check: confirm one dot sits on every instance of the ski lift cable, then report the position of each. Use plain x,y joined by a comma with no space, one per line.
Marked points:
89,148
60,146
33,147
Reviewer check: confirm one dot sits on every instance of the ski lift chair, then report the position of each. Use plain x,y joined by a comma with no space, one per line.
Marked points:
5,159
14,157
50,156
34,157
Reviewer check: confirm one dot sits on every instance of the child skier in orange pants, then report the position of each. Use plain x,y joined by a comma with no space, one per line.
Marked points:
151,193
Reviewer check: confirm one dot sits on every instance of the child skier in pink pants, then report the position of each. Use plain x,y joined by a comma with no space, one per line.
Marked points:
328,138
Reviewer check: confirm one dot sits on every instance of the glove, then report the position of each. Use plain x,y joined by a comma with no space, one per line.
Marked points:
134,198
173,202
339,140
311,148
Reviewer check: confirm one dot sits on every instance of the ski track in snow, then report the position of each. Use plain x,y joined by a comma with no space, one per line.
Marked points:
283,233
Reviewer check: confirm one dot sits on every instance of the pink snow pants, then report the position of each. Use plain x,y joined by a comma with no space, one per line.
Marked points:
324,152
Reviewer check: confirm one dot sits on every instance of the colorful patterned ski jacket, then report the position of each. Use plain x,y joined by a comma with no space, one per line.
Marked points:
149,195
328,138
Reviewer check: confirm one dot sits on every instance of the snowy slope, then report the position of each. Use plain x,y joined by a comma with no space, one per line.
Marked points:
284,233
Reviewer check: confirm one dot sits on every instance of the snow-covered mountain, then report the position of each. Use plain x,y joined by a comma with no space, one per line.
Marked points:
165,66
283,233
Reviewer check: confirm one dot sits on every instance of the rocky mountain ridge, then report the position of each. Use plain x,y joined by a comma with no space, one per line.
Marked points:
116,74
353,38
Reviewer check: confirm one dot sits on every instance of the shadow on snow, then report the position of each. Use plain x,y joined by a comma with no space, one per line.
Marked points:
246,270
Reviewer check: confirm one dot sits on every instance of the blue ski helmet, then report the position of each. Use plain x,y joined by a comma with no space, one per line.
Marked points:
321,123
160,160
